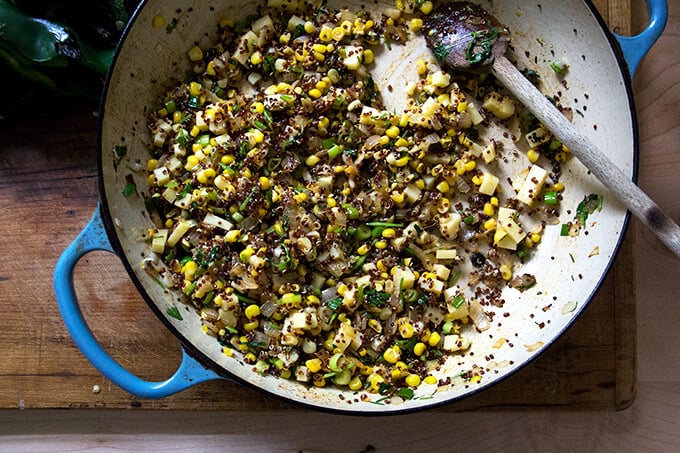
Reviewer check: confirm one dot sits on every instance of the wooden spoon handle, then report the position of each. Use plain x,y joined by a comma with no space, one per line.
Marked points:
595,160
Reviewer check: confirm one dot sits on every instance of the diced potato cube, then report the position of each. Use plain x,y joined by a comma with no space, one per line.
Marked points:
449,224
532,185
501,106
441,79
404,276
506,222
442,272
411,193
162,175
431,285
489,152
344,336
453,343
446,254
489,184
538,136
158,241
429,107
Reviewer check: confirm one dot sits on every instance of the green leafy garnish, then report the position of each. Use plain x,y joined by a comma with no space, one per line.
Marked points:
173,312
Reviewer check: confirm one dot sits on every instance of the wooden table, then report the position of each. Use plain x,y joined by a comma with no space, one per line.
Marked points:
49,190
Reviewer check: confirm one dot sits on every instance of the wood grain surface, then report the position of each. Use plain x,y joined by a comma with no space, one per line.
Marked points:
564,402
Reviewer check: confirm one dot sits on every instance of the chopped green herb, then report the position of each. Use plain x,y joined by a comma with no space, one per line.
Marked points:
173,312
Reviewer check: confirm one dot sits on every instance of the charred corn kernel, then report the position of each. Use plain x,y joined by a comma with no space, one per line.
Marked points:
426,7
397,197
533,155
313,365
392,132
561,156
443,187
381,265
195,88
443,205
419,348
421,67
434,339
489,210
355,383
406,330
192,161
338,33
363,249
232,236
415,24
318,380
252,311
326,33
381,245
430,380
506,272
195,54
252,325
284,38
490,224
391,355
389,233
312,300
412,380
368,56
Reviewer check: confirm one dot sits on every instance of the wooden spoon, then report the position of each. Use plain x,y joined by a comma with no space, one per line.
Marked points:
464,36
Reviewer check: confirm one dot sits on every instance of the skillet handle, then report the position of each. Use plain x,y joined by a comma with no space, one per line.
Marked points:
94,237
636,47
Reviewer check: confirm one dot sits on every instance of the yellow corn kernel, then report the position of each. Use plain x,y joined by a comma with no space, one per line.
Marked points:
252,325
506,272
421,67
338,33
342,289
533,155
470,165
315,93
381,265
426,7
232,236
355,383
246,253
494,201
406,330
313,365
461,107
430,380
392,132
561,156
243,343
402,161
195,88
381,245
363,249
325,34
434,339
415,24
192,161
389,233
558,187
376,380
419,183
312,300
368,56
443,187
412,380
301,197
330,201
206,176
397,197
195,54
419,348
395,374
229,352
489,210
158,21
177,116
151,164
490,224
535,238
252,311
265,183
401,142
391,355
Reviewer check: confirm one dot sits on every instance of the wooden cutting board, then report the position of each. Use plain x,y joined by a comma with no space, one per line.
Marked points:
48,191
